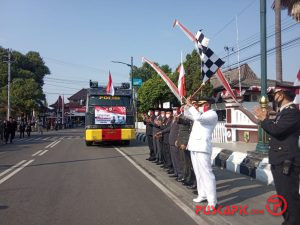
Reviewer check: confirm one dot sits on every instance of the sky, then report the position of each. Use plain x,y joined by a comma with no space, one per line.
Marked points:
78,39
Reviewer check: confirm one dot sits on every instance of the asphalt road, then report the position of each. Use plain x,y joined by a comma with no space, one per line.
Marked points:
56,179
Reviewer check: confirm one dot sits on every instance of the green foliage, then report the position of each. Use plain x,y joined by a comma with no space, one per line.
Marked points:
27,77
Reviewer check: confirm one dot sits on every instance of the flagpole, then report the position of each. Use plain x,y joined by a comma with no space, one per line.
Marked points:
238,53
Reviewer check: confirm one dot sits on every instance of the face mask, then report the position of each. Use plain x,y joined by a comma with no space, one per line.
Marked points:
278,101
168,115
205,108
174,113
156,113
163,115
149,114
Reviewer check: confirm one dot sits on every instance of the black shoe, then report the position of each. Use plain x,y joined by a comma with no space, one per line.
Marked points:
173,175
186,183
155,161
180,179
195,192
193,187
170,171
151,159
148,159
159,163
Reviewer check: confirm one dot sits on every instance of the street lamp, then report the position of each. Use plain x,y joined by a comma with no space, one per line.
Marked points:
131,79
262,145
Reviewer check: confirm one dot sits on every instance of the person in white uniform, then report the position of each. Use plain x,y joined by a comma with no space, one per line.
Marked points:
205,119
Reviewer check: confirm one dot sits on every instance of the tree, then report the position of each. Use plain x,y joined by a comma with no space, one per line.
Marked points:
154,91
27,75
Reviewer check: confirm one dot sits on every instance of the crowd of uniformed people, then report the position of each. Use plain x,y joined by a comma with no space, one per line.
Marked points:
179,140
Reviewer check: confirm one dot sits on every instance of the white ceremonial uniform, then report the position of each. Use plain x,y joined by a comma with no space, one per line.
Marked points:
200,147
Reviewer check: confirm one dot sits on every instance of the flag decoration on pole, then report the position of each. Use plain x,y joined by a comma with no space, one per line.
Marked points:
110,87
202,43
181,81
210,63
170,84
297,83
225,84
189,34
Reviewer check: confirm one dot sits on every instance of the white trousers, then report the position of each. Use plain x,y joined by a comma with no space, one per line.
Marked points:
206,181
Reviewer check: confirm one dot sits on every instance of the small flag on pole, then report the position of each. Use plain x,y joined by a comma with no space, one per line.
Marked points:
181,80
110,87
297,83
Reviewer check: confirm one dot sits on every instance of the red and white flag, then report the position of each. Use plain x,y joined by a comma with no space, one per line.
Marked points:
181,81
297,83
166,79
110,87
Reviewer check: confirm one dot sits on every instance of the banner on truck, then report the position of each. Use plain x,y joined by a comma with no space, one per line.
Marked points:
110,115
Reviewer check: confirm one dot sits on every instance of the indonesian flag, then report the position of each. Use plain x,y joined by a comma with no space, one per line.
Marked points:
297,83
181,81
110,87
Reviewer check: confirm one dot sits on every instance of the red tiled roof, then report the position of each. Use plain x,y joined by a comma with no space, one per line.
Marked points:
80,95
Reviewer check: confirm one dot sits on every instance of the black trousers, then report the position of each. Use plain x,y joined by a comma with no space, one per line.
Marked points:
167,155
150,144
189,174
288,187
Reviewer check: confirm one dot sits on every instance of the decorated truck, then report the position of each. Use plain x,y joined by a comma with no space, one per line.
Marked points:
109,118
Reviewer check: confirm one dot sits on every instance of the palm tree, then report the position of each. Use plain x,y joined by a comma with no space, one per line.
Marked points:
277,6
293,7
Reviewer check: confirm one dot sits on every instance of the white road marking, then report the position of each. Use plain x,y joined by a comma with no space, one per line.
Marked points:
38,138
38,152
55,144
70,137
46,138
51,144
29,139
15,171
173,197
43,152
11,168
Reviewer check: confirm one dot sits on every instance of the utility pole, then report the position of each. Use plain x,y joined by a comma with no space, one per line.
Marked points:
8,81
133,94
228,50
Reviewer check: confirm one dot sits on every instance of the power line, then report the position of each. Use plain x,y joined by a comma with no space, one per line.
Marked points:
63,87
286,45
257,42
233,19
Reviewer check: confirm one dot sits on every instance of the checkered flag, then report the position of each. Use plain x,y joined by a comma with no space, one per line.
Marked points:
202,43
210,63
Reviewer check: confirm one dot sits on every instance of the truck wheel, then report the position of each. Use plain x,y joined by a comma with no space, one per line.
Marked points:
88,143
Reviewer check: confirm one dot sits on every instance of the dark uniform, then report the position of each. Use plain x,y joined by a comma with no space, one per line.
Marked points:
284,150
284,157
165,130
157,142
149,134
174,151
184,130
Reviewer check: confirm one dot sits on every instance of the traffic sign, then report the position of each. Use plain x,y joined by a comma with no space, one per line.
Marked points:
137,81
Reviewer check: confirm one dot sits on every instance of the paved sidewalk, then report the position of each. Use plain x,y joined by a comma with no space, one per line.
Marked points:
232,189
